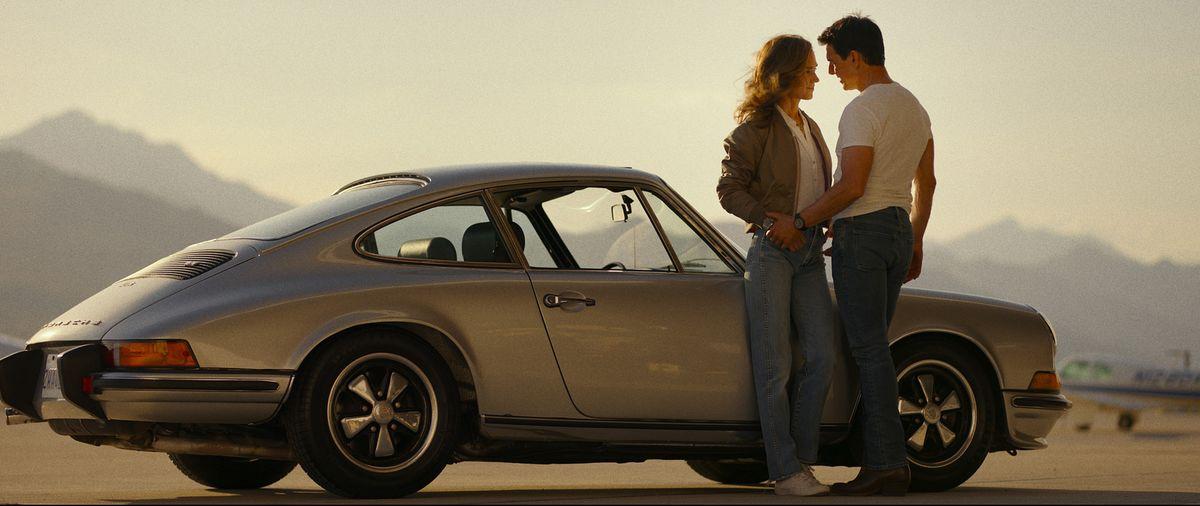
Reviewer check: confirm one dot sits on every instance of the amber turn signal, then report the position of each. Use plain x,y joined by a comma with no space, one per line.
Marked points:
160,353
1045,381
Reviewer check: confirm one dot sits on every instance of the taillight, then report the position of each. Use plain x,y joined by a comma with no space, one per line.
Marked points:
1045,381
160,353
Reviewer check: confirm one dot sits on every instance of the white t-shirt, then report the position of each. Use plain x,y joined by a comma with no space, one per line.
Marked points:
891,120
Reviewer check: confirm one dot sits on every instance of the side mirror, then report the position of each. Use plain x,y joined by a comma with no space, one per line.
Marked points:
621,212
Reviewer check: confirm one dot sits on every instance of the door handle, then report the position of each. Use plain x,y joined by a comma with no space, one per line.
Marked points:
555,300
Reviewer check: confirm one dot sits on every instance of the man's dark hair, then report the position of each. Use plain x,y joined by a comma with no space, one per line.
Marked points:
855,33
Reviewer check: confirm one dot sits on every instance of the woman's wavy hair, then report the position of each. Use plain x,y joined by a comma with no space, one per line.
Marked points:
778,64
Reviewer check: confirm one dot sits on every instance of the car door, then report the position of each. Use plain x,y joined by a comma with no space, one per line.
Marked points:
636,335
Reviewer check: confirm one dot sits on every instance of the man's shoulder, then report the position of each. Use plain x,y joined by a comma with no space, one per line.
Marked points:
882,101
862,108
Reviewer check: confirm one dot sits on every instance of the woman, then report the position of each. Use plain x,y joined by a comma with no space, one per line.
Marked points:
776,163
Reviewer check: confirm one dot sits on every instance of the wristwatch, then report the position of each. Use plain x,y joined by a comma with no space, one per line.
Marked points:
800,223
768,222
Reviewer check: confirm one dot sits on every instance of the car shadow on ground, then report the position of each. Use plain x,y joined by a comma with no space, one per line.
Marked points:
686,495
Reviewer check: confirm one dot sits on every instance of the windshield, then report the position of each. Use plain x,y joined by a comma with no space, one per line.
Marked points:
312,214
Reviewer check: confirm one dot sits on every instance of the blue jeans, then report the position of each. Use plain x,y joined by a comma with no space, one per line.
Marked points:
790,312
871,255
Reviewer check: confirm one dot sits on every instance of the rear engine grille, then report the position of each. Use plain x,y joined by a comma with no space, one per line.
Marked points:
184,265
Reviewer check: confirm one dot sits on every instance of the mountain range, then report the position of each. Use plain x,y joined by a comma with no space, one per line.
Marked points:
64,237
86,203
80,145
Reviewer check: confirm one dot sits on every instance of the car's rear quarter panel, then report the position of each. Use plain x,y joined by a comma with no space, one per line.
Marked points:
271,312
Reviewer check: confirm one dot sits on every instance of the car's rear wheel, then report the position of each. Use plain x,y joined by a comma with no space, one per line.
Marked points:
231,473
731,472
948,410
374,416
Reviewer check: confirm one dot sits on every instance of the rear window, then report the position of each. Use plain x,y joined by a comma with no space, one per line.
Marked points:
315,213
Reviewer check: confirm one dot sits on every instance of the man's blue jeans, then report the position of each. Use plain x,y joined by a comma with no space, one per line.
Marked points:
790,311
871,255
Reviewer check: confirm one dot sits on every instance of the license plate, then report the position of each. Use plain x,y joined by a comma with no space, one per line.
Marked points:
50,386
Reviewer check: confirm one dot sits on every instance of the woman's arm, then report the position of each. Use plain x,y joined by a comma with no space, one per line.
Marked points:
738,169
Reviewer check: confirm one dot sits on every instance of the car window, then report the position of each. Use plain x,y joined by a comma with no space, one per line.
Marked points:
695,255
535,249
589,227
300,218
460,231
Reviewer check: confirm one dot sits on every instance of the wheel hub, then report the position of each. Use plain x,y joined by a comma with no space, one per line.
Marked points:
931,413
382,413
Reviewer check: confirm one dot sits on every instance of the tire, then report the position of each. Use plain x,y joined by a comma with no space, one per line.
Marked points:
231,473
731,472
336,432
953,377
1126,421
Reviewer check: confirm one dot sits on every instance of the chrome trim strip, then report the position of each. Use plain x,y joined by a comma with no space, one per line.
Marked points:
104,383
1055,402
639,424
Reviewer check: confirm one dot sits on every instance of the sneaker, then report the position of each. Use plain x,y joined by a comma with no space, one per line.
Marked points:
802,483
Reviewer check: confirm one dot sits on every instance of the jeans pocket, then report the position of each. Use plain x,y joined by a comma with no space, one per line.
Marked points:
871,250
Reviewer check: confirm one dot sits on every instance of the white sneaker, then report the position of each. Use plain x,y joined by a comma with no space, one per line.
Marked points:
802,483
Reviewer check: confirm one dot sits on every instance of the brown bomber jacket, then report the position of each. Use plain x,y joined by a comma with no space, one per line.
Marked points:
758,173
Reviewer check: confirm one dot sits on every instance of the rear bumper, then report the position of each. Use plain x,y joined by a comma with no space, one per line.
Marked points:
199,396
1031,416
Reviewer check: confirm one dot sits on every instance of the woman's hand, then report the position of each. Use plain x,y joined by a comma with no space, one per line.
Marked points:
784,232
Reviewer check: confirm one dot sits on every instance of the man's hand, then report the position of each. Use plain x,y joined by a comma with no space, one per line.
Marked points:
914,268
784,232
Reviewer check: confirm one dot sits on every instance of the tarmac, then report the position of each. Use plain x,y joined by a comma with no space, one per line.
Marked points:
1159,462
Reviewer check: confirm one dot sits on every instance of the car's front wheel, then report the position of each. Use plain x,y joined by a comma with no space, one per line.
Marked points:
231,473
373,416
948,411
731,472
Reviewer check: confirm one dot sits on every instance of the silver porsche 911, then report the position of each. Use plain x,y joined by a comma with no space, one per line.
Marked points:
510,313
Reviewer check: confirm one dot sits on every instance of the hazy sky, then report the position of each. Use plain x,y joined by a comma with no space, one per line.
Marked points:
1080,117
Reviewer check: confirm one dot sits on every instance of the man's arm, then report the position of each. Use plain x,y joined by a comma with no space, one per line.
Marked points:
856,169
922,207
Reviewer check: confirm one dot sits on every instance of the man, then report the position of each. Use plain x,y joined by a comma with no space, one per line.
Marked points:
884,144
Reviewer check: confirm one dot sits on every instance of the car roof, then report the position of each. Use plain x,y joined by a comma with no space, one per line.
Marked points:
491,174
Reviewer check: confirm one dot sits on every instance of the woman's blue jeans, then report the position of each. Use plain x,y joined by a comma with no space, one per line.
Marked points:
871,255
791,315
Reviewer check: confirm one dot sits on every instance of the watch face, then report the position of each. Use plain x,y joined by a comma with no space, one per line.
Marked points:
800,223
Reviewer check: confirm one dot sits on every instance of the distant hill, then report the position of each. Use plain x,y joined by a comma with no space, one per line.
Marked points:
64,238
1097,299
78,144
1007,242
9,344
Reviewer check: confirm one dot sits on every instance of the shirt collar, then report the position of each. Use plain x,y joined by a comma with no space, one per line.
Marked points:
790,122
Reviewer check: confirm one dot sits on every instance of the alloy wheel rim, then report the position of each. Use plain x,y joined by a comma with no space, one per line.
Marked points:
937,411
381,412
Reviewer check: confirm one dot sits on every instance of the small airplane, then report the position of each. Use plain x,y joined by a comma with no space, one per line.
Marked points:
1128,387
